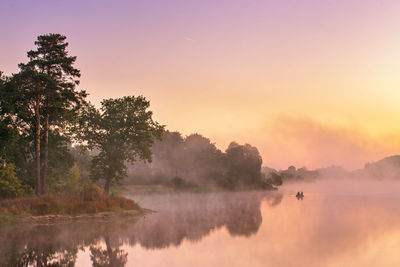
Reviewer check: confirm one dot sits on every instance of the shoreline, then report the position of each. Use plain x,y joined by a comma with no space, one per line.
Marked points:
51,218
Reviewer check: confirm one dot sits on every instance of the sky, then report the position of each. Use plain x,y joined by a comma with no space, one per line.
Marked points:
308,82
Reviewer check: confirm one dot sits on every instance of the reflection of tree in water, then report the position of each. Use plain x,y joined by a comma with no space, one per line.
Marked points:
193,217
53,245
180,217
37,251
244,218
110,257
275,200
47,257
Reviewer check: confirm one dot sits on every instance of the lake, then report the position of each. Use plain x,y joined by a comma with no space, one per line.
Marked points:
338,223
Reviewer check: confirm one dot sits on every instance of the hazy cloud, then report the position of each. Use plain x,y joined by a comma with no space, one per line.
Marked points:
306,142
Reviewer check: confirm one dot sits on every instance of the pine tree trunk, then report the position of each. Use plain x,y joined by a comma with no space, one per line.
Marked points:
46,137
37,137
46,153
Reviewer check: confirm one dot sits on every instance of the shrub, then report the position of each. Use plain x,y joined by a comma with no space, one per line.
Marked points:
73,186
227,182
276,179
65,204
10,185
180,183
92,192
122,203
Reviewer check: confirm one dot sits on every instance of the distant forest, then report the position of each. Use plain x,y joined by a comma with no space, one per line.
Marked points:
194,159
53,140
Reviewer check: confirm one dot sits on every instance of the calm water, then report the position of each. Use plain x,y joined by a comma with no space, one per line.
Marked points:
336,224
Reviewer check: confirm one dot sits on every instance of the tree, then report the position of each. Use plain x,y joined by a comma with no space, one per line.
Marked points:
202,160
8,135
60,100
122,130
20,107
243,163
42,98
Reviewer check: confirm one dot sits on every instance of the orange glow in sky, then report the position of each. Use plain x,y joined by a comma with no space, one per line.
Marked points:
310,83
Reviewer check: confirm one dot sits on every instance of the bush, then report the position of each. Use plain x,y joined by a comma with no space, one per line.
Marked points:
227,182
122,203
10,185
73,186
92,192
276,179
181,184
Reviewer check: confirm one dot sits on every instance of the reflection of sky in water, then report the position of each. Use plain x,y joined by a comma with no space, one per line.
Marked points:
318,231
330,227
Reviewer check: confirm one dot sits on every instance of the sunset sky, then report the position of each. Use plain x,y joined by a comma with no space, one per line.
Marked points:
308,82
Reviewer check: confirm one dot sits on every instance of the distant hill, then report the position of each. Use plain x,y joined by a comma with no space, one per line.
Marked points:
388,167
392,160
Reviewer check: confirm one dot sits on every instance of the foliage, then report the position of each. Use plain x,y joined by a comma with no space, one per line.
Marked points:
10,185
61,162
42,112
92,192
122,130
8,140
82,159
41,99
276,179
61,100
193,158
243,163
198,162
179,183
72,185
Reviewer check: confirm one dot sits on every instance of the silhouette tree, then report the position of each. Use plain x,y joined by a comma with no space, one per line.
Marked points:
243,163
60,100
122,130
42,97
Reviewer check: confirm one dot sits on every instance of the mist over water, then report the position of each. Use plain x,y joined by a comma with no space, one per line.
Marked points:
340,222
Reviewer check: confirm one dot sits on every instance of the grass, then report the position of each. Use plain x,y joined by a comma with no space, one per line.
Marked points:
11,209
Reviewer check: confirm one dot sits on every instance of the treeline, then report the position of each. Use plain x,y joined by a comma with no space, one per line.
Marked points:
43,112
194,160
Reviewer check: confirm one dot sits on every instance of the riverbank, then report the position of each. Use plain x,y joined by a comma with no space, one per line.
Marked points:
95,216
52,208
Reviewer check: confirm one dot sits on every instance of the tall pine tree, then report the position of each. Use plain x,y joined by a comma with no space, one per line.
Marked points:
43,97
61,100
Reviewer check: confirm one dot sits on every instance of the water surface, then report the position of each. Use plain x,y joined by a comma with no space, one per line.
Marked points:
336,224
